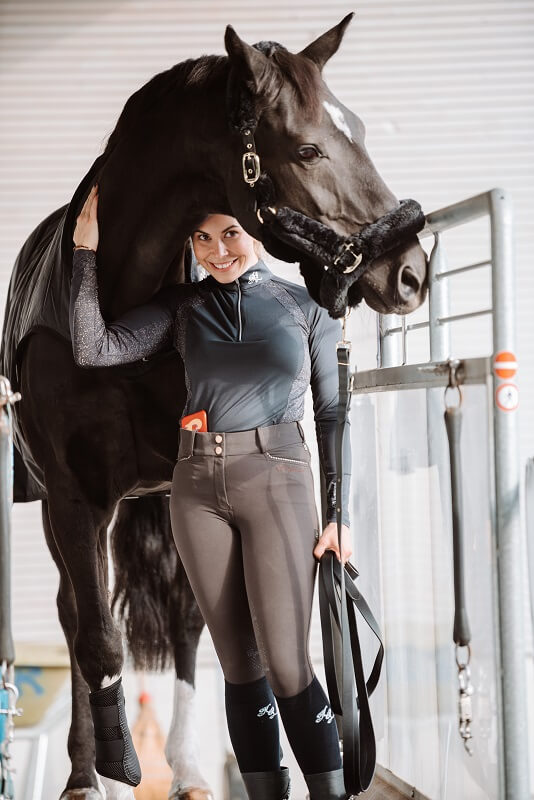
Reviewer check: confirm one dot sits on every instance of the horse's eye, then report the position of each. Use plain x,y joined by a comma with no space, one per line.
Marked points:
309,152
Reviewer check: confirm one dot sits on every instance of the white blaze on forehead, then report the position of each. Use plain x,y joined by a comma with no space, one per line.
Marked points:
338,118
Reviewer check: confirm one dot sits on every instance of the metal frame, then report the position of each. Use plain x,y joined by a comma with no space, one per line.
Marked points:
508,580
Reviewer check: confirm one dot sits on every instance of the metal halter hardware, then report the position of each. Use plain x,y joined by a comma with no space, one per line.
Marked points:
251,168
357,257
251,173
251,160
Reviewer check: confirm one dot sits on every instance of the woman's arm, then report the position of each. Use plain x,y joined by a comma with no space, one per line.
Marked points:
140,332
324,333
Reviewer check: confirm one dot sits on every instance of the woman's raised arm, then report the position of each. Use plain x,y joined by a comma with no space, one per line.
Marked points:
139,333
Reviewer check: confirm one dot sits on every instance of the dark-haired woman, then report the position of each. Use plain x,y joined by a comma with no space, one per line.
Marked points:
242,503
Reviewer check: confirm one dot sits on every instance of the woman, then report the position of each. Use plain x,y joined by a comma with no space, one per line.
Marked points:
242,501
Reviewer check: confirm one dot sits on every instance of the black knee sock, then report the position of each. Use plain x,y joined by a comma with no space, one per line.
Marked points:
311,729
253,725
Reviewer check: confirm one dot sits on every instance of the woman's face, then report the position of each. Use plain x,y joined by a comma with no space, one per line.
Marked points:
223,248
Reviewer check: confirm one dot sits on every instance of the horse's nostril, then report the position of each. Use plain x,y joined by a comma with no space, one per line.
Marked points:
408,283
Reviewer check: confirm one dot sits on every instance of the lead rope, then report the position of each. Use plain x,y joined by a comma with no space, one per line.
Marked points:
359,746
461,631
351,743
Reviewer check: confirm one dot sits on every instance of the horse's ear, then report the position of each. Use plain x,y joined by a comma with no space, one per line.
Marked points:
257,68
326,45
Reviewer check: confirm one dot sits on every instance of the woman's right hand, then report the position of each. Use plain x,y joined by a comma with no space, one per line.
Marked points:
86,230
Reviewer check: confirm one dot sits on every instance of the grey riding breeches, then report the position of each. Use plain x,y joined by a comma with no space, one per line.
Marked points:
245,524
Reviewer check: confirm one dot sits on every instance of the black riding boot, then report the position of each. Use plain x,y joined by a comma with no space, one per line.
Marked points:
327,785
273,785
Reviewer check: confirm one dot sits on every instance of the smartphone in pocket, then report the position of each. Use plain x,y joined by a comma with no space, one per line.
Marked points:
196,422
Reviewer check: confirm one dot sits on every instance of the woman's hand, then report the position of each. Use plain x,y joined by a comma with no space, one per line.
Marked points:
329,541
86,230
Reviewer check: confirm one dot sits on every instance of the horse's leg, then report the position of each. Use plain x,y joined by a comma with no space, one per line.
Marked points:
82,783
76,528
181,745
114,789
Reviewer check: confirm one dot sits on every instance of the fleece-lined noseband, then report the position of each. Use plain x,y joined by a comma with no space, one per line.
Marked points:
330,264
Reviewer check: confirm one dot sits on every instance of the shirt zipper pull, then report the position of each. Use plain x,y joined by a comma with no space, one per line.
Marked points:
239,306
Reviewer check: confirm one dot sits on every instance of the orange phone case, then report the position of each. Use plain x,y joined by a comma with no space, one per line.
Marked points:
196,422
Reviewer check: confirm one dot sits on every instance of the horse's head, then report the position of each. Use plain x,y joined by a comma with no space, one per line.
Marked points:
313,149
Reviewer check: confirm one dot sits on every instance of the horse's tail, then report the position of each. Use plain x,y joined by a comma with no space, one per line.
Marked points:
148,576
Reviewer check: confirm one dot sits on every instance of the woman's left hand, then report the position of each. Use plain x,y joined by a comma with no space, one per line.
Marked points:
86,230
329,541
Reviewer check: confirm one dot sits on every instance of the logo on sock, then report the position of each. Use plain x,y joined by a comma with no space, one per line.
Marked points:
269,709
326,714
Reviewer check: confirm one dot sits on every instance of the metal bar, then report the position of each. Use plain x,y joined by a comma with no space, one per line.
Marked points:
508,534
505,473
390,349
7,648
455,317
419,376
441,321
438,304
450,272
438,456
529,505
403,340
457,214
416,326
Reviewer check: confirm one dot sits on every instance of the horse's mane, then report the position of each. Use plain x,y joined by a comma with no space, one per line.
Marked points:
200,72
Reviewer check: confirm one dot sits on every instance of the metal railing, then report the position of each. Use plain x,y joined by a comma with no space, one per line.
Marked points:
393,374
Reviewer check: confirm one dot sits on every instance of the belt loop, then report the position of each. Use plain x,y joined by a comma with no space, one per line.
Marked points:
261,434
301,431
186,442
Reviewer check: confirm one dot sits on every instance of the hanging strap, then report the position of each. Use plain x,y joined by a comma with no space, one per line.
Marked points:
338,598
461,630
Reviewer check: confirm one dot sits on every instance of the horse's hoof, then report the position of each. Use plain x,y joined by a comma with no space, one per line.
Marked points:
193,794
81,794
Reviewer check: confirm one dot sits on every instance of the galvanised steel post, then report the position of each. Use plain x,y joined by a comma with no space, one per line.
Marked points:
508,524
438,303
389,344
438,457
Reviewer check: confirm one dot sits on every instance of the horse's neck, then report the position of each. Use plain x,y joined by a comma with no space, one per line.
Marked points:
148,221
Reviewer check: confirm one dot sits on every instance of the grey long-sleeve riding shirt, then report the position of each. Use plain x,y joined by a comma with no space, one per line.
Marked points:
250,350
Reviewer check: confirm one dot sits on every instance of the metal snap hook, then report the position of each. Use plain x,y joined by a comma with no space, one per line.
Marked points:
454,366
272,209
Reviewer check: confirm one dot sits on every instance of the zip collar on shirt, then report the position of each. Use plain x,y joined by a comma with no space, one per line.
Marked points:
253,276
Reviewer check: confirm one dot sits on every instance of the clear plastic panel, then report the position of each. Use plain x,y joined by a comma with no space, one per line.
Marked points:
403,549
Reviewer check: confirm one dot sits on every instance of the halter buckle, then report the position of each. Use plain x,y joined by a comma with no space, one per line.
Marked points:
251,168
358,257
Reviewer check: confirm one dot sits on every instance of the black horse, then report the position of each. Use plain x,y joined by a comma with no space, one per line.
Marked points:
88,439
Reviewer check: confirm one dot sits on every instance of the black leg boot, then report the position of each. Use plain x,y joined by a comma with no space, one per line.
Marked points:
267,785
115,754
327,785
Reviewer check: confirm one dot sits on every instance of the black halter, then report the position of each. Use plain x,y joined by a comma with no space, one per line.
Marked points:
291,236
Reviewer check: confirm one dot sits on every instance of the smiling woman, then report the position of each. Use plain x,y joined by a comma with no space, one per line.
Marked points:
223,248
242,491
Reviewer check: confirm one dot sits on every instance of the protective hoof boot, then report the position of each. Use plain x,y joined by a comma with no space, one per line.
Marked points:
327,785
115,754
273,785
